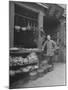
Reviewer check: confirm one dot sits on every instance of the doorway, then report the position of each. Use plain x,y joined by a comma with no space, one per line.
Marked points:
50,25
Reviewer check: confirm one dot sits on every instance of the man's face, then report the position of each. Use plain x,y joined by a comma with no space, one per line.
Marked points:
48,37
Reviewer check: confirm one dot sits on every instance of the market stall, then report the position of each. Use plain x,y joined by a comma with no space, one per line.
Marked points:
26,59
23,61
27,64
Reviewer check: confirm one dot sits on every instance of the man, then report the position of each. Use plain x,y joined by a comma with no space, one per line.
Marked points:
51,47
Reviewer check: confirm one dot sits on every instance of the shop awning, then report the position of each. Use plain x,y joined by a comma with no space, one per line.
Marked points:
43,5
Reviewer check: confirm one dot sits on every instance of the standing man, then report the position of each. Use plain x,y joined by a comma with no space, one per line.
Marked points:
50,47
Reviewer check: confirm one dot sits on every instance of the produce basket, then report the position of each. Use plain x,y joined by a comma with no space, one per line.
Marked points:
40,72
33,75
12,72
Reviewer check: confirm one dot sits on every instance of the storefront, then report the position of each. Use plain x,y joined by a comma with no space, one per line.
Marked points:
26,19
26,25
29,25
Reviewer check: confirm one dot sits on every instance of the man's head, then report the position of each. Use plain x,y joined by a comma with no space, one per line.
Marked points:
48,37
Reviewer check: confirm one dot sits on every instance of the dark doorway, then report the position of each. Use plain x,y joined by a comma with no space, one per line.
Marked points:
50,24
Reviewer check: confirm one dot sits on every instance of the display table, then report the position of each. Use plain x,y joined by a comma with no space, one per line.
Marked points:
17,52
21,50
17,70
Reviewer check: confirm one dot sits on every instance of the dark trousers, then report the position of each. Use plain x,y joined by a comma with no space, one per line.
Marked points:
50,60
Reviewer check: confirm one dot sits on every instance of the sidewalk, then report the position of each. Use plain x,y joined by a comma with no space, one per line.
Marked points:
53,78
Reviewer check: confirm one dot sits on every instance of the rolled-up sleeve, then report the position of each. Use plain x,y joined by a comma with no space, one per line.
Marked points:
44,45
55,45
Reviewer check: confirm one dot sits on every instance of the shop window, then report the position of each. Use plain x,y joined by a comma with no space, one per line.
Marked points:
27,20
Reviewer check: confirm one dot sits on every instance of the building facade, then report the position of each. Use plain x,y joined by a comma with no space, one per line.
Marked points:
30,13
42,18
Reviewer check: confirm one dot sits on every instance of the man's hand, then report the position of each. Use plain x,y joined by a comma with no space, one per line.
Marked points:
42,49
57,47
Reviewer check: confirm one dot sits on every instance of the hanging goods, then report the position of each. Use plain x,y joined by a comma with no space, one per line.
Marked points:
17,28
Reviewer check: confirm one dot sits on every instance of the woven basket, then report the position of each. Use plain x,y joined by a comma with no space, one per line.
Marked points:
11,73
40,72
50,68
33,75
45,68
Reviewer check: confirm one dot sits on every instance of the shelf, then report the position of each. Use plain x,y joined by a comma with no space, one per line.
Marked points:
25,51
25,17
24,65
